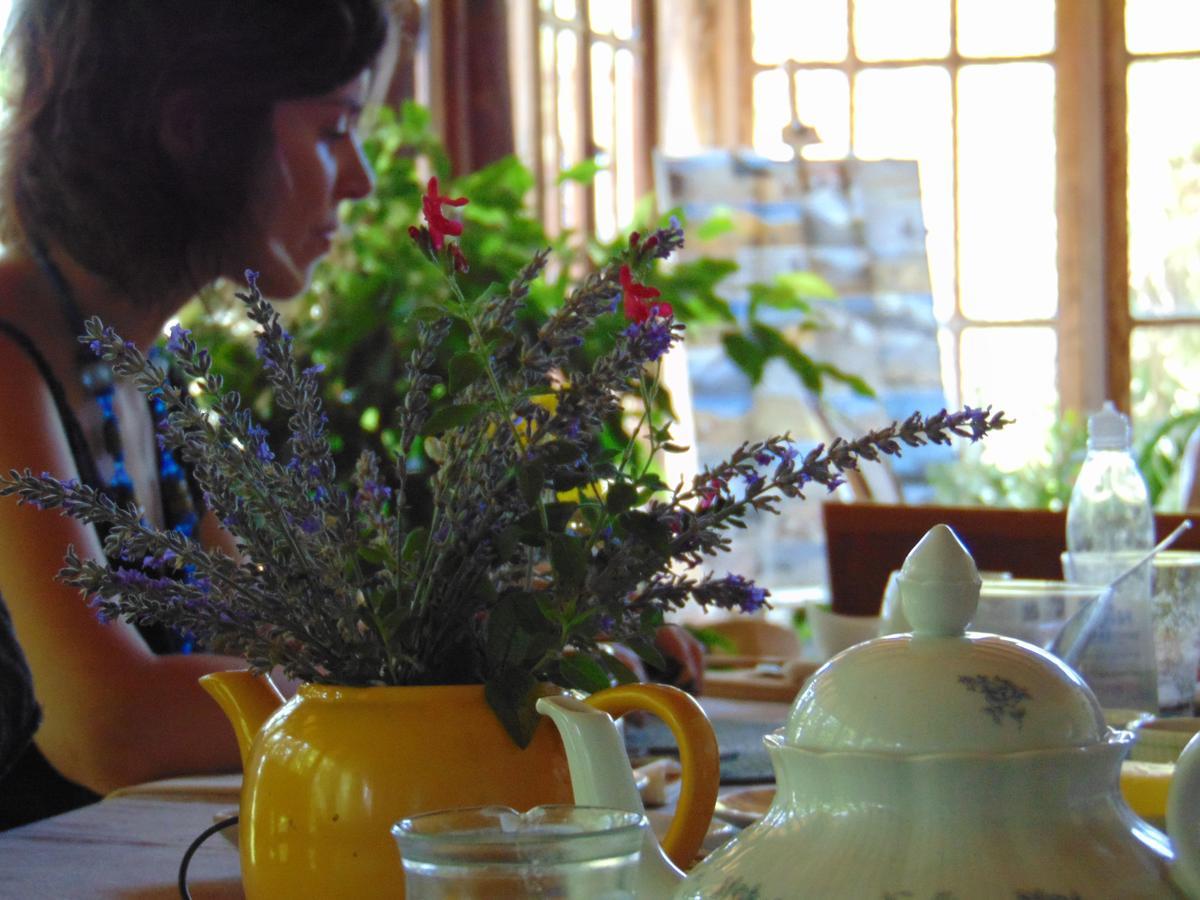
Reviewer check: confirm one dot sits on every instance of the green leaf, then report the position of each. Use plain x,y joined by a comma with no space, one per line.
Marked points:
745,354
373,554
568,557
583,672
806,285
453,416
719,223
414,544
465,368
558,514
531,478
512,692
582,173
621,496
645,649
507,639
804,367
617,669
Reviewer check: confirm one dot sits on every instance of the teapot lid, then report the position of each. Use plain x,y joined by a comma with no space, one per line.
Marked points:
940,688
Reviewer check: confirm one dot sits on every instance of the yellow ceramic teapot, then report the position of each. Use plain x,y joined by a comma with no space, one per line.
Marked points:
327,773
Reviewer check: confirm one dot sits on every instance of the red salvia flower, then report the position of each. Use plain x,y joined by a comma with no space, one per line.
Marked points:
636,308
439,225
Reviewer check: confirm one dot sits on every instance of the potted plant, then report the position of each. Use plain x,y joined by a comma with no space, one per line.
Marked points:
541,538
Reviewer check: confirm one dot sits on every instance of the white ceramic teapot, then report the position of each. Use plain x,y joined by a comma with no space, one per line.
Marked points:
941,764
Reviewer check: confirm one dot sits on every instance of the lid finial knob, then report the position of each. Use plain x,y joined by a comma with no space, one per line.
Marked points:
939,585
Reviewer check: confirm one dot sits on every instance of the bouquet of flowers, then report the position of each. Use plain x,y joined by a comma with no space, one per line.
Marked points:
538,538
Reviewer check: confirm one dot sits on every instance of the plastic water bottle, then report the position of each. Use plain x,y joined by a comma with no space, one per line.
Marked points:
1109,524
1110,508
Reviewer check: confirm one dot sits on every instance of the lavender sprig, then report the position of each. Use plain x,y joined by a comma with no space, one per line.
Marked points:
511,535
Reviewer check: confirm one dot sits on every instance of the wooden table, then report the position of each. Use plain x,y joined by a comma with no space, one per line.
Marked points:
129,845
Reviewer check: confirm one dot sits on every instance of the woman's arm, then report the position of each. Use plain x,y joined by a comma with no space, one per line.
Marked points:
114,713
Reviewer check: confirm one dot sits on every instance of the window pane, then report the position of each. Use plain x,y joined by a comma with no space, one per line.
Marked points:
901,29
823,101
1166,375
624,152
803,30
905,114
1027,392
613,17
1011,28
1158,26
1007,218
602,95
1164,189
565,9
603,115
771,114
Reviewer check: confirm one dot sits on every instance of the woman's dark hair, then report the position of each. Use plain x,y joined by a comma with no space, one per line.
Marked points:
85,164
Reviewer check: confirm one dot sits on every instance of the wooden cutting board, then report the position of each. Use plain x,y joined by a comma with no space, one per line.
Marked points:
759,683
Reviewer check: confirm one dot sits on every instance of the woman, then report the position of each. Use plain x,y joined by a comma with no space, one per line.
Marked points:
153,149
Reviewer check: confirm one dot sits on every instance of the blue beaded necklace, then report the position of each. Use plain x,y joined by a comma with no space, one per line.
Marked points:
179,510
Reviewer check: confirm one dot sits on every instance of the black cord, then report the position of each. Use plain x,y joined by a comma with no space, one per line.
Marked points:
194,846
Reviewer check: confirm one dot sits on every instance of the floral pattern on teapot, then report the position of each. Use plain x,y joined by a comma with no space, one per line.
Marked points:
1003,698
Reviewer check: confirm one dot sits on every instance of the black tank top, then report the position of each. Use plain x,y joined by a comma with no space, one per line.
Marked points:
32,789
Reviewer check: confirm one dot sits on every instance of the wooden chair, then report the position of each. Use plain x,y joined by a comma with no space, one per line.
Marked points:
864,542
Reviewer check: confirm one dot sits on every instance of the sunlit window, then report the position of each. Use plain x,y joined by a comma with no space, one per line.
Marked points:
1163,61
970,90
970,97
592,113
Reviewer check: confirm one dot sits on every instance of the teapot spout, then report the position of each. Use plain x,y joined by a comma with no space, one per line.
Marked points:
247,701
600,776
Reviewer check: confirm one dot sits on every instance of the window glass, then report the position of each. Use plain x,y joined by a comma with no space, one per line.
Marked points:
905,113
1007,219
901,29
823,101
1012,369
624,150
1166,372
771,114
1165,389
613,17
1164,189
803,30
1162,26
1011,28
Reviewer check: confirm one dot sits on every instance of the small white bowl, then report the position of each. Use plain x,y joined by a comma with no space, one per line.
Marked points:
1162,740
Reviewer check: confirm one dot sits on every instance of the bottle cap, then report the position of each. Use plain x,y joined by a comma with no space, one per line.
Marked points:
1108,429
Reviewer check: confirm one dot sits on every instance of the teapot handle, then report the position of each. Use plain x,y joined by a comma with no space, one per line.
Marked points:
1183,818
698,756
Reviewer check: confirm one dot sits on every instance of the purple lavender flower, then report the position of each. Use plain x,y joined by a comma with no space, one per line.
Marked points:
749,596
251,279
263,450
179,339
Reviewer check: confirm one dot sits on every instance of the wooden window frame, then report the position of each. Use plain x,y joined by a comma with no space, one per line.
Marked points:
1094,323
535,114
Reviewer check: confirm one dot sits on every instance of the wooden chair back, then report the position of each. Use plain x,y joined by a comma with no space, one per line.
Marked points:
864,542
